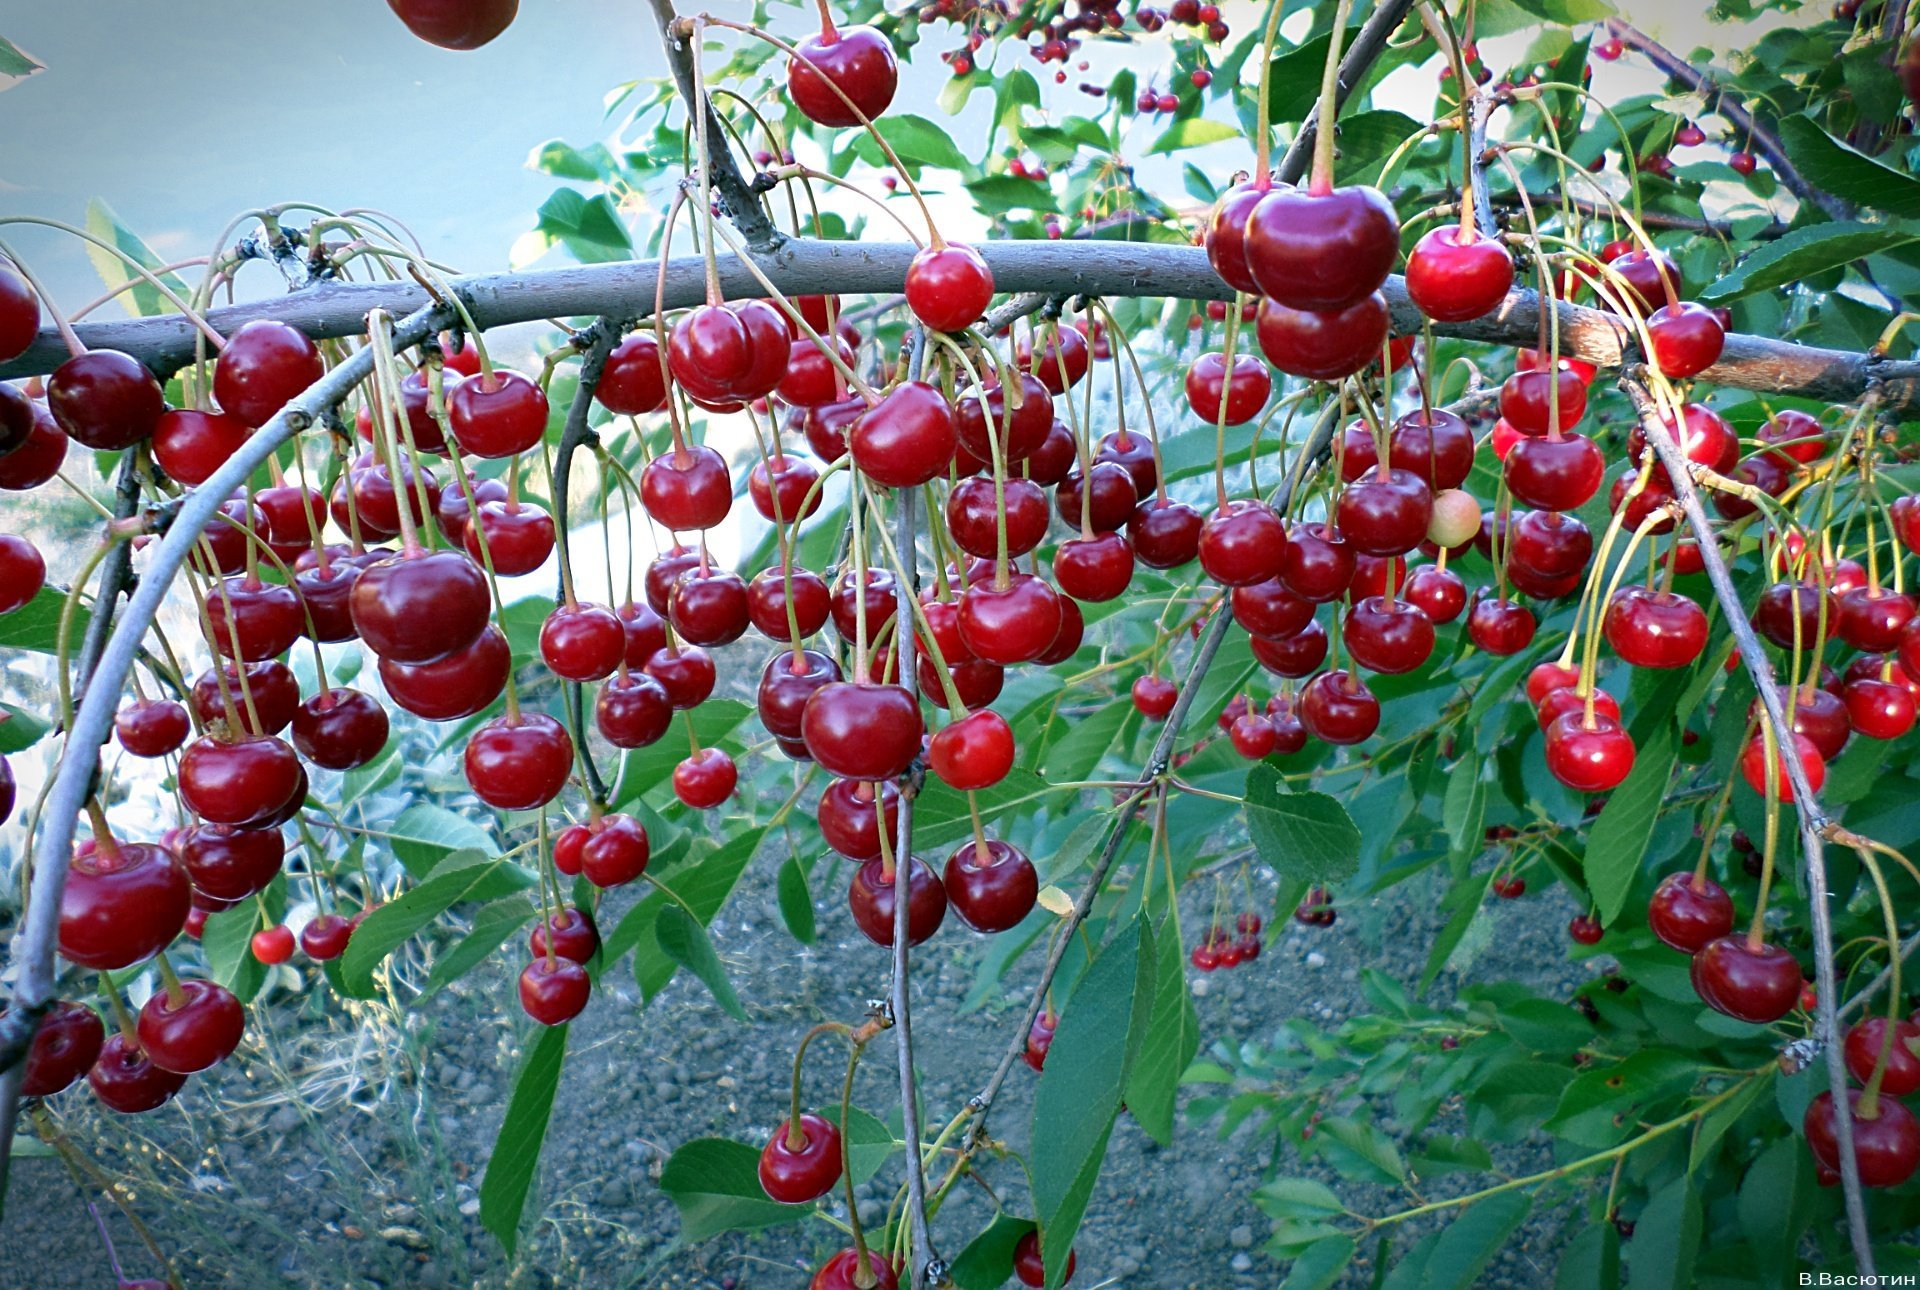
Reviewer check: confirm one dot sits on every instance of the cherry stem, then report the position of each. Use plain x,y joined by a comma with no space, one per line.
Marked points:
956,708
796,1138
980,847
1320,180
1263,116
118,1007
140,270
846,1154
1226,394
176,997
1869,1105
781,537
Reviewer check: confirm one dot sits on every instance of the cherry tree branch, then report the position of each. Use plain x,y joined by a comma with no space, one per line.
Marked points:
1813,822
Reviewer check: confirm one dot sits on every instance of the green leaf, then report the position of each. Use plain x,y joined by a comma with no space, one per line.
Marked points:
915,140
20,729
940,814
686,942
588,227
1567,13
425,834
1848,173
1776,1203
704,886
1365,141
1320,1264
1666,1238
1193,132
869,1142
492,925
715,1184
1362,1152
644,769
13,63
1081,1087
1591,1260
983,1265
1803,253
562,160
1469,1242
1300,835
1618,840
796,901
35,625
227,943
142,298
1171,1038
1714,1124
516,1151
462,877
998,194
1464,808
1463,902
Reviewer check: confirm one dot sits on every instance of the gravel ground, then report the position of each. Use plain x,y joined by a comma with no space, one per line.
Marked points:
343,1151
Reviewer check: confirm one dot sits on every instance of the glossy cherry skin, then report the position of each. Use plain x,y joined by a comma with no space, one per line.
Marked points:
105,400
151,727
1787,611
862,731
948,287
67,1042
687,674
458,685
1243,392
1688,913
1385,514
325,937
418,608
782,488
1098,568
122,907
849,816
253,620
1054,457
1558,703
1154,696
570,932
1310,250
1555,473
905,439
1686,338
1551,544
687,488
1648,276
1017,623
582,642
972,753
1454,274
634,381
1226,239
1760,985
19,315
972,516
1886,1148
1109,504
857,60
499,420
242,781
1297,655
768,598
1589,757
1863,1044
1323,346
519,765
1029,1268
456,24
1337,708
201,1032
881,602
519,536
190,445
273,944
838,1272
1500,626
1165,533
705,779
22,572
1435,445
632,710
1019,429
1870,620
554,990
340,729
265,365
871,898
1539,402
1242,543
125,1081
795,1174
1253,736
1440,593
1753,766
228,863
1271,609
786,683
1655,629
663,572
1390,636
1879,709
1798,439
36,460
616,852
1317,562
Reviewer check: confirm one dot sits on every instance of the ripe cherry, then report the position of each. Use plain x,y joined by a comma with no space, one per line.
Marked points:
840,1272
22,572
1455,274
273,944
1649,628
1097,568
1385,514
1649,276
1327,345
687,488
582,642
554,990
849,815
1886,1147
1337,708
1028,1268
782,488
1390,636
1863,1046
871,898
1500,626
1057,355
615,852
1879,709
465,24
199,1030
461,684
265,365
1244,390
705,779
417,608
190,445
1270,609
1253,736
151,727
1687,339
1555,473
1589,756
949,286
769,595
972,513
858,61
1242,543
1871,619
340,729
1015,623
1165,533
1585,929
19,316
325,937
1226,235
1154,696
992,888
1114,494
633,383
686,674
972,753
632,710
1760,984
121,905
67,1042
1689,911
570,932
270,685
518,763
240,781
1321,250
105,400
36,457
860,730
252,620
1020,427
801,1161
499,419
125,1081
905,439
1539,402
1753,766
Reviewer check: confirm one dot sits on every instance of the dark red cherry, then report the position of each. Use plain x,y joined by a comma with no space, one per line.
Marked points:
570,932
1227,233
858,61
1864,1043
416,608
871,898
1390,636
105,400
125,1081
1057,355
1317,563
251,619
788,481
643,631
228,537
811,378
1686,338
664,571
231,864
632,710
972,753
1760,984
1820,715
122,905
1011,624
1253,736
992,888
1549,543
768,597
1871,620
1052,460
1704,437
19,320
1879,709
459,685
1455,274
709,607
1650,628
1300,654
270,685
1797,437
616,852
1557,703
633,382
340,729
786,684
240,782
325,937
1886,1148
849,816
293,516
972,516
1029,1268
198,1031
1165,533
1589,756
1135,452
501,418
583,642
686,673
1271,609
1500,626
1019,429
862,731
1113,498
554,990
1790,612
877,590
1373,575
519,536
769,344
66,1044
905,439
1385,514
456,24
39,458
518,764
151,727
1098,568
687,488
191,445
1440,593
802,1161
1154,696
1243,392
1585,929
265,365
1314,250
1650,275
948,287
1323,346
1242,543
825,427
1337,708
708,349
1540,402
1690,911
1555,474
1066,641
705,779
842,1270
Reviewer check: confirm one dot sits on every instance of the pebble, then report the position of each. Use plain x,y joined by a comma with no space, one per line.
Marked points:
1241,1237
1315,959
1241,1263
1125,1267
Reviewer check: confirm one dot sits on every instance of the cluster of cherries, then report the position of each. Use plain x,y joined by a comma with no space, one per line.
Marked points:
1221,948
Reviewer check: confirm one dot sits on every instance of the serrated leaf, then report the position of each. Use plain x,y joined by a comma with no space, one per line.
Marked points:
1320,1264
1666,1238
704,886
1168,1043
462,877
588,227
1714,1124
686,942
914,139
1591,1260
142,298
1469,1243
1463,903
1845,172
516,1151
492,925
940,815
796,901
1804,252
14,64
1464,808
1360,1151
20,729
35,625
984,1263
1193,132
1300,835
1618,840
426,834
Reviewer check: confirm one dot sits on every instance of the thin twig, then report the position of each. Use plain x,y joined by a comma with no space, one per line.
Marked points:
1368,44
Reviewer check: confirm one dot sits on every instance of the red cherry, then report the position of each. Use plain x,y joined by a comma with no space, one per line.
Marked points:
1549,543
67,1042
1436,445
1886,1148
1317,563
1743,162
705,779
554,990
1098,568
198,1032
632,710
849,816
1011,624
768,598
871,898
1455,274
1057,355
1028,1268
265,365
1871,620
582,642
502,421
905,439
1295,656
325,937
1019,430
1165,533
795,1172
1648,277
1154,696
456,24
686,673
242,781
1440,593
1529,401
862,731
228,863
1790,612
19,318
1689,911
1270,609
633,383
825,427
519,763
708,350
1753,766
687,488
948,287
1337,708
769,346
840,1271
787,481
1589,756
1325,345
340,729
1253,736
859,61
1243,543
811,378
1313,250
1879,709
252,620
1557,703
615,852
1499,626
1760,984
273,944
1650,628
1244,391
972,753
151,727
191,445
1385,514
463,683
972,516
122,905
38,457
421,607
105,400
570,932
1390,636
1054,457
1686,339
1585,929
275,695
1226,235
663,572
1511,887
125,1081
1798,438
992,889
1111,505
1555,473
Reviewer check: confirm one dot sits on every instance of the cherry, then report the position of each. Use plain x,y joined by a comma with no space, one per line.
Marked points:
375,504
1226,235
1797,438
1820,715
105,400
226,863
1317,563
1757,983
860,730
1435,445
1058,356
1753,766
242,781
1055,456
1154,696
270,685
705,779
325,937
1321,250
686,673
664,572
1028,1267
1689,911
1872,619
871,898
1511,887
1389,636
1686,339
616,852
125,1081
1790,611
786,684
1015,623
151,727
264,366
1385,514
1555,473
768,599
787,480
992,888
1585,929
971,513
456,24
1650,628
501,419
708,350
858,61
1337,708
554,990
22,572
584,642
570,932
37,457
948,286
840,1271
1863,1045
1548,543
1165,533
972,753
191,445
459,685
1879,709
1253,736
1114,496
1886,1148
1557,703
1323,346
687,488
1019,429
1270,609
421,607
1499,626
632,710
519,536
1528,401
518,763
1244,390
633,382
811,378
1455,274
198,1031
65,1045
1440,593
1649,276
1589,756
849,815
253,620
340,729
1098,568
1296,655
905,439
19,318
1242,543
121,905
794,1172
273,944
